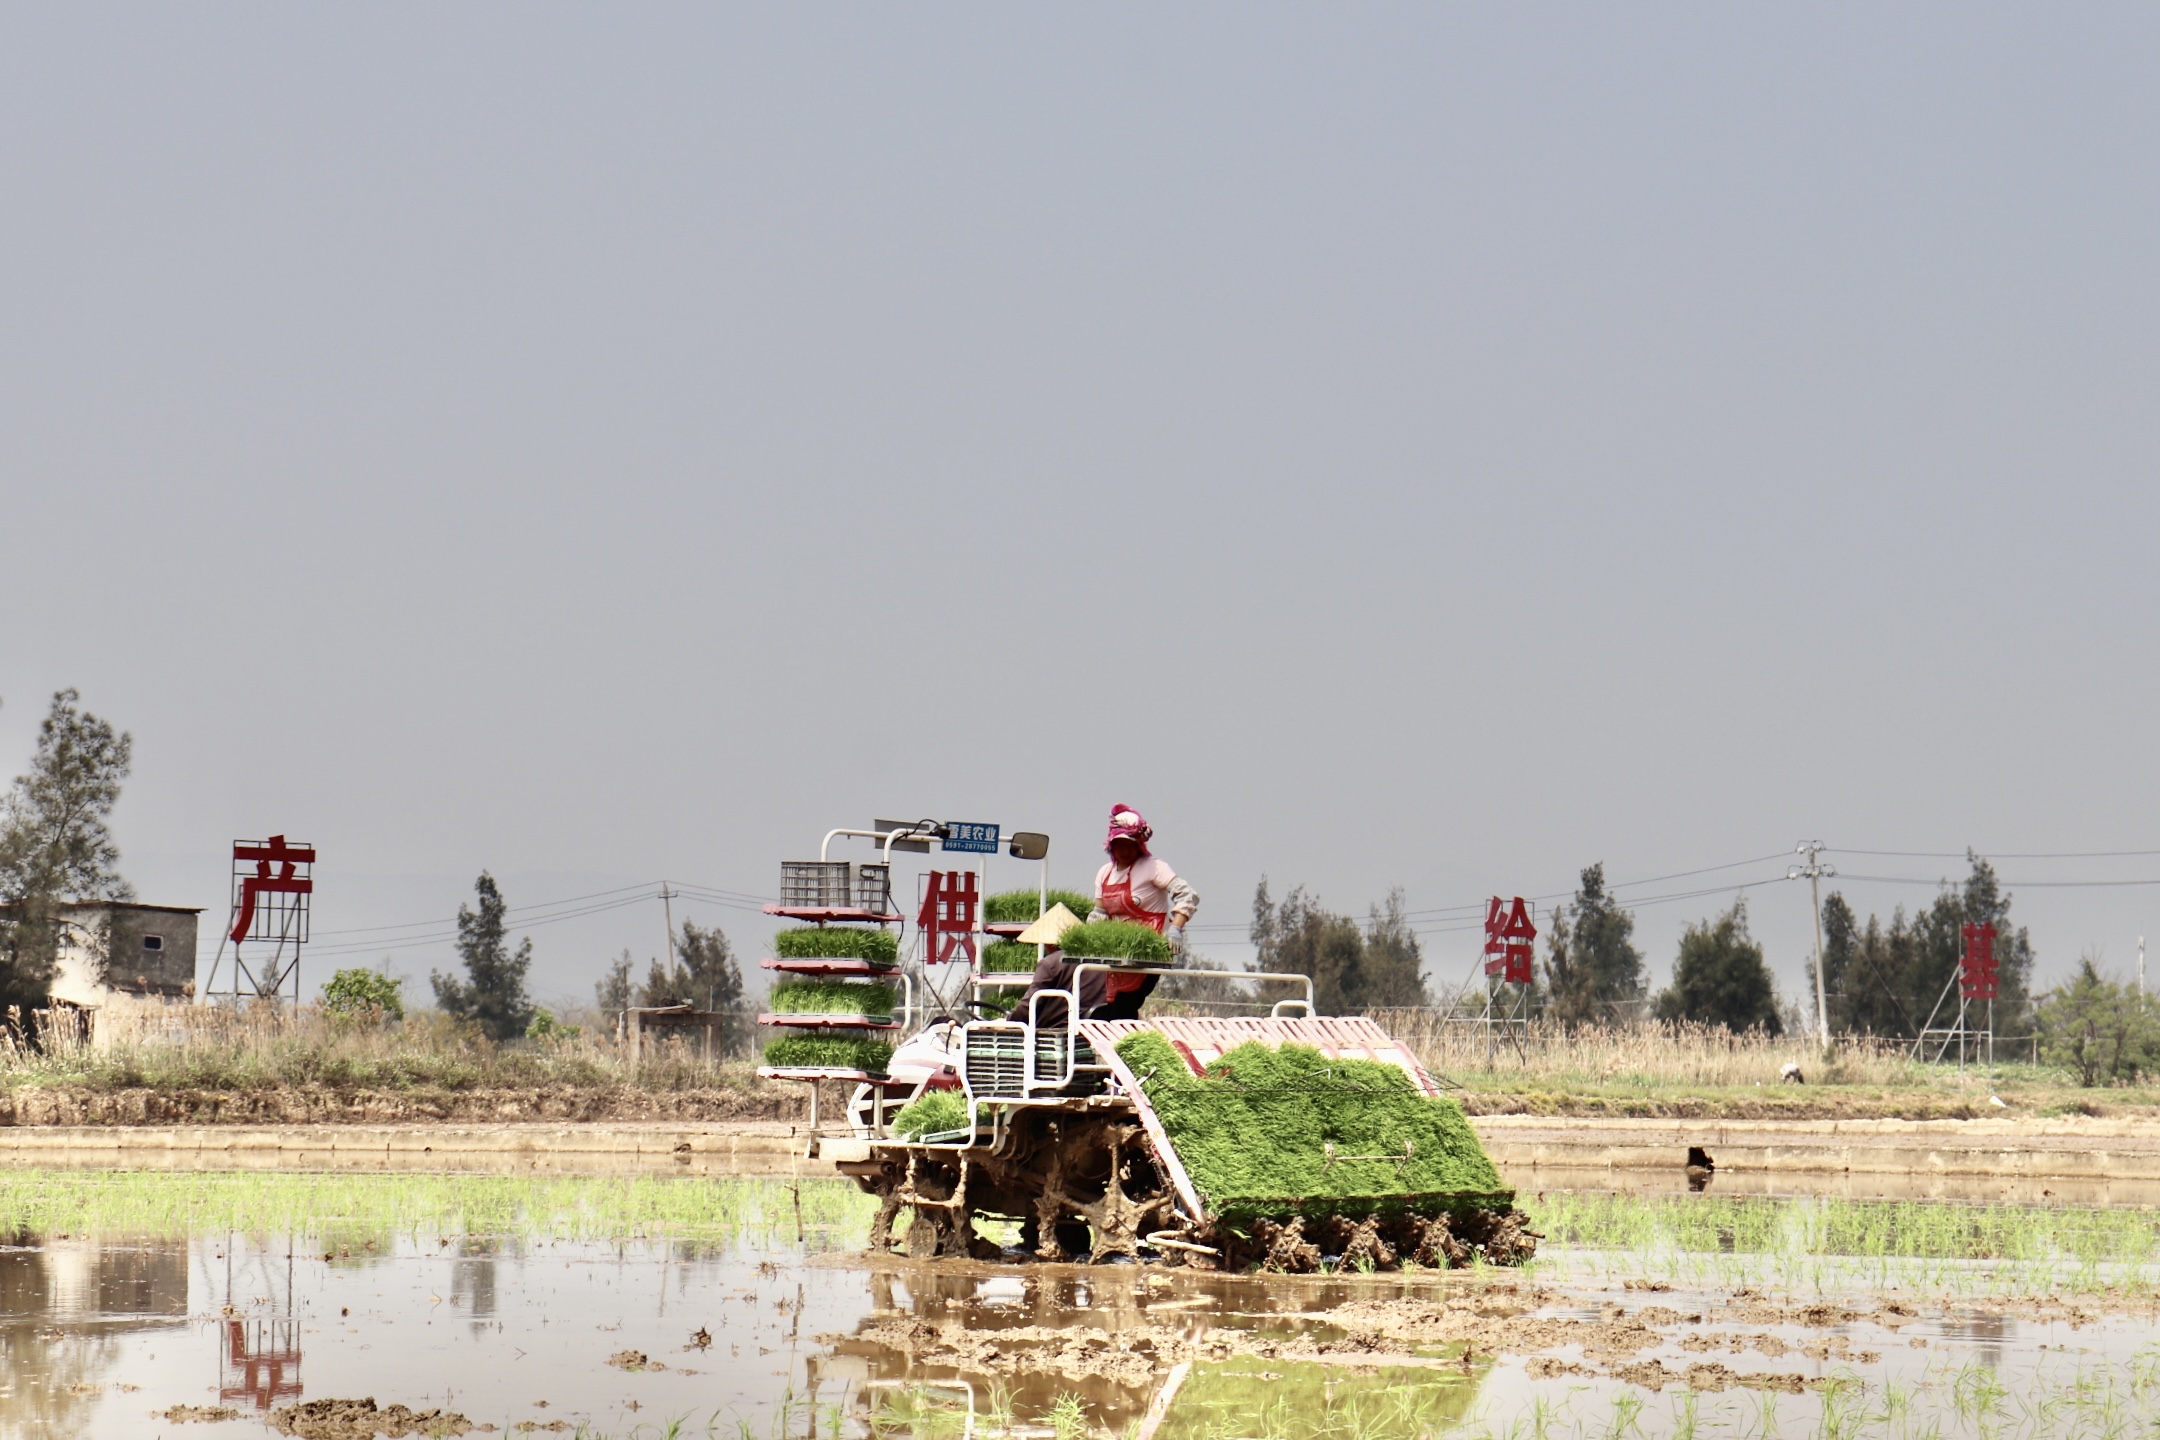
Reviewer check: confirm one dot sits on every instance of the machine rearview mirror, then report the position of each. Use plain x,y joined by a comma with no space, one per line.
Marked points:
1028,845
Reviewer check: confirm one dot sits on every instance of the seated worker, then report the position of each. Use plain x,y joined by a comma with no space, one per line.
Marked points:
1134,886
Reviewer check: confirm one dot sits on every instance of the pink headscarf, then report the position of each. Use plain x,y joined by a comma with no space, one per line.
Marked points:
1127,823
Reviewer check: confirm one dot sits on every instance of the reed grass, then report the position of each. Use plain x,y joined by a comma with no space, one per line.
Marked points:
1543,1058
264,1048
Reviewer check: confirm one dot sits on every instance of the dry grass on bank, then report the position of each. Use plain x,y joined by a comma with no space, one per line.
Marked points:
208,1063
1648,1055
1700,1070
209,1048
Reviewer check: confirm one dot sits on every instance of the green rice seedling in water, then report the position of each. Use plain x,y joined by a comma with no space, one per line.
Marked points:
832,997
1684,1415
838,942
343,1208
933,1113
919,1413
837,1052
1010,907
1067,1416
1117,940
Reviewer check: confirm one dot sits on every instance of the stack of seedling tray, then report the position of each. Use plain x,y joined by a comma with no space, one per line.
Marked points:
838,985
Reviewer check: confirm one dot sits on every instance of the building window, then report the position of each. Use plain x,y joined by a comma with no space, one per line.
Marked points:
153,942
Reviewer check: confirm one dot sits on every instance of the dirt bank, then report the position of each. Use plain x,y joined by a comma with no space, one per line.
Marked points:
63,1106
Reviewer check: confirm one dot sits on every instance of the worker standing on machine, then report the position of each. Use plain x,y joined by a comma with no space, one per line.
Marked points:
1139,886
1133,886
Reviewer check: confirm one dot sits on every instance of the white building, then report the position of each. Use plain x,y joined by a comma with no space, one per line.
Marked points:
123,963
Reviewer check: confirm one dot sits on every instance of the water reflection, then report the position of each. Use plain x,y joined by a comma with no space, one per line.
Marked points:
895,1388
472,1280
63,1308
259,1339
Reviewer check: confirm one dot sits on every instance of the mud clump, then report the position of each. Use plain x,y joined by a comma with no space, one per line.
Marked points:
203,1414
361,1420
634,1360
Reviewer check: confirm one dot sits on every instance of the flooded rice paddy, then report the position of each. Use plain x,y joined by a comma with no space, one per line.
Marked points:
217,1305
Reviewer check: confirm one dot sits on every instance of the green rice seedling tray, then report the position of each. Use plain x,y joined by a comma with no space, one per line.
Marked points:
934,1117
1125,940
843,1052
838,942
815,1020
859,969
1274,1130
1008,957
833,997
1011,907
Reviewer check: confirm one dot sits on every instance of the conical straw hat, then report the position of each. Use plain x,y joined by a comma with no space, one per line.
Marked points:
1051,928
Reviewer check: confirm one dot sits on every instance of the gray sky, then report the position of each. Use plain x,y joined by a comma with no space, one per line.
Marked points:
1421,446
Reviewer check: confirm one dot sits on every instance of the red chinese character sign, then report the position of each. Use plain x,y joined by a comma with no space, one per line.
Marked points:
281,872
1976,963
1509,937
273,885
947,917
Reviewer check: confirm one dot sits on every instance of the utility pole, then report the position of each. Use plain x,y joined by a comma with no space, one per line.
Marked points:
2141,967
667,911
1814,870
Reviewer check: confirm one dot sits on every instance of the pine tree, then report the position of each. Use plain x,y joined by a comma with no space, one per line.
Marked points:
1593,971
1394,967
1351,970
55,845
1720,978
1888,979
493,993
715,981
614,992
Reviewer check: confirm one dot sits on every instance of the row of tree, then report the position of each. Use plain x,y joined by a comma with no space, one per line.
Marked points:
492,996
1880,979
1888,980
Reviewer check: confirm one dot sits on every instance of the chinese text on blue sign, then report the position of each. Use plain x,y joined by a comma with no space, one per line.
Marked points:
975,839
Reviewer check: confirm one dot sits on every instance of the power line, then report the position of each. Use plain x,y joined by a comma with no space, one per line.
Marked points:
2002,854
507,911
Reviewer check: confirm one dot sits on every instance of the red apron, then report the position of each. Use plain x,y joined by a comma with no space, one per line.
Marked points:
1118,904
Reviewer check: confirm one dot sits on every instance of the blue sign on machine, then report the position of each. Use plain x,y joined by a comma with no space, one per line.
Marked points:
975,839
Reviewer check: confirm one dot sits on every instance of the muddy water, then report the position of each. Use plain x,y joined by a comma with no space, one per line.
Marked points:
757,1334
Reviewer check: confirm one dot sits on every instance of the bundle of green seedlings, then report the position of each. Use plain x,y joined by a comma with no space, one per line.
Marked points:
934,1112
833,997
838,942
1008,957
1117,940
830,1052
1010,907
1255,1131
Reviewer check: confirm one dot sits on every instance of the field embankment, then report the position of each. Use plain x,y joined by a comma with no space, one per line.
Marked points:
211,1067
